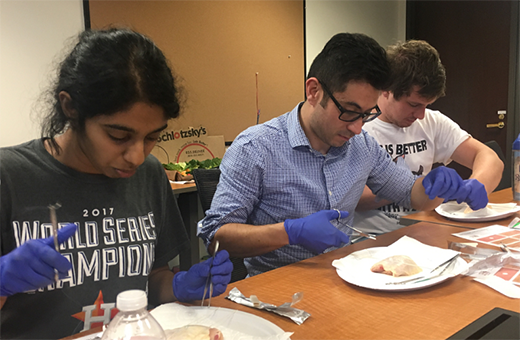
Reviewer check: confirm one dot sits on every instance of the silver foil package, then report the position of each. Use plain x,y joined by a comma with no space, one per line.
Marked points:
286,309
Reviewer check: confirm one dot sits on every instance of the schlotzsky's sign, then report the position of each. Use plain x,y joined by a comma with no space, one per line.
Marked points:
174,146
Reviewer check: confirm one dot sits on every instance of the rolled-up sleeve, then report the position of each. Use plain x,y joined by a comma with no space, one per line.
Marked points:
236,194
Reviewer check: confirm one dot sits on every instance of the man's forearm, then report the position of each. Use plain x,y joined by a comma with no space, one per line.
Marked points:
487,169
420,200
485,164
245,240
369,201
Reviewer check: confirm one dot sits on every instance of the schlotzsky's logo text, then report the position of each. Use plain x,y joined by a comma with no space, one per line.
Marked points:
188,133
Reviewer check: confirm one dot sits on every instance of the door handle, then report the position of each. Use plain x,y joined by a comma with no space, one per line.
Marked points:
499,125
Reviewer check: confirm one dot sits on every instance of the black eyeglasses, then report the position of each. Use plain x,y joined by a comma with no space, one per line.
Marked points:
350,116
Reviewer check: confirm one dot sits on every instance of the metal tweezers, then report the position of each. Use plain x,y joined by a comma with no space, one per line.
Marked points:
425,278
370,236
209,282
54,222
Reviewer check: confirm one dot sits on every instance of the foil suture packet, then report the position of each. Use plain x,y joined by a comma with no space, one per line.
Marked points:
286,309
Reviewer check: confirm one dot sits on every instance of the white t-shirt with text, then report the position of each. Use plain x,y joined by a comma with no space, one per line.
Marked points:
426,142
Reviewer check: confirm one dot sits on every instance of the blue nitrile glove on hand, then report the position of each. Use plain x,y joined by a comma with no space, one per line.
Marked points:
31,266
443,182
474,194
315,232
189,285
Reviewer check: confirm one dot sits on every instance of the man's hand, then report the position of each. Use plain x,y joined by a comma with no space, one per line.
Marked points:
474,194
31,266
189,285
443,182
315,232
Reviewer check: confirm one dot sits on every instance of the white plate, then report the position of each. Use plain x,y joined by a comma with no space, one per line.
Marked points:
356,270
233,324
494,211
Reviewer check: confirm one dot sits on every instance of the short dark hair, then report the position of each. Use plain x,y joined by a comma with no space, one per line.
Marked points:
106,72
351,56
416,63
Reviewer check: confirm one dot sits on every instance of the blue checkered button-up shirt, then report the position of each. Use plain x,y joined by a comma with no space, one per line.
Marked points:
271,173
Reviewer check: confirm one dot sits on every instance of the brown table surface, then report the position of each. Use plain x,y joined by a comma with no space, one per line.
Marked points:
340,310
502,196
183,188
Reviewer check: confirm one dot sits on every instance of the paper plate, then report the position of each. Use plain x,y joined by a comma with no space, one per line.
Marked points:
493,211
233,324
356,270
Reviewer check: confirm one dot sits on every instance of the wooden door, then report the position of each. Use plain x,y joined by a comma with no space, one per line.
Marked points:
473,39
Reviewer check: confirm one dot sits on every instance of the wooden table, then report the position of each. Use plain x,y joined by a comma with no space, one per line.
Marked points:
188,202
502,196
340,310
183,188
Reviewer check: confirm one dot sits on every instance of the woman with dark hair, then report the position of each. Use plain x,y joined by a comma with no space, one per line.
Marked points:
119,224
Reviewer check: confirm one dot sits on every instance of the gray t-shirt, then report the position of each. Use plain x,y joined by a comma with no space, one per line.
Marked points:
126,227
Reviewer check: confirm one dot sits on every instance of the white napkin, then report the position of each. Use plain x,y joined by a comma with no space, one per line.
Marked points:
490,210
427,257
234,324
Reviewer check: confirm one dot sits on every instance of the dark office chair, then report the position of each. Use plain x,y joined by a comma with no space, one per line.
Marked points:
504,182
206,181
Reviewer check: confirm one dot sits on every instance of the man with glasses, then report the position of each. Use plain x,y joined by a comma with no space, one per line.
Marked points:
287,186
422,137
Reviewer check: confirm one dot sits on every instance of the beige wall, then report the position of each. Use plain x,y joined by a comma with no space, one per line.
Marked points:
31,35
385,21
217,48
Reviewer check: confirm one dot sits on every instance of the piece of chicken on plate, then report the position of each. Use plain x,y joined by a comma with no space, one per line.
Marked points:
397,265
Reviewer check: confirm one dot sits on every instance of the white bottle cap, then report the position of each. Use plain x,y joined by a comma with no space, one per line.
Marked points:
131,300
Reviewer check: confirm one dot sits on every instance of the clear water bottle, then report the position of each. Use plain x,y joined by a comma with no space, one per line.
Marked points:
516,169
133,322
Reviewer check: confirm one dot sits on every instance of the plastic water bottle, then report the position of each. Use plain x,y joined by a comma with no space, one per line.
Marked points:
133,322
516,169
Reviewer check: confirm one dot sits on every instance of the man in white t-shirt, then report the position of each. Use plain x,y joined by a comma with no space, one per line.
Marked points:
418,137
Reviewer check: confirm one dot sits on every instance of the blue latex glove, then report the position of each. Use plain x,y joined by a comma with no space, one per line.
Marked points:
189,285
443,182
474,194
315,232
31,266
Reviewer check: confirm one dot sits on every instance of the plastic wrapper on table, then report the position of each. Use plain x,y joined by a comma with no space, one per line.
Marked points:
493,263
472,252
500,271
286,309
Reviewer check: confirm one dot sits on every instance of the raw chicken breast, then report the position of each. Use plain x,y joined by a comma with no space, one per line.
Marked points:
193,332
397,265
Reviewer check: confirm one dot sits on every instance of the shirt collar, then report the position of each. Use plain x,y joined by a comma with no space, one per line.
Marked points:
295,132
298,138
